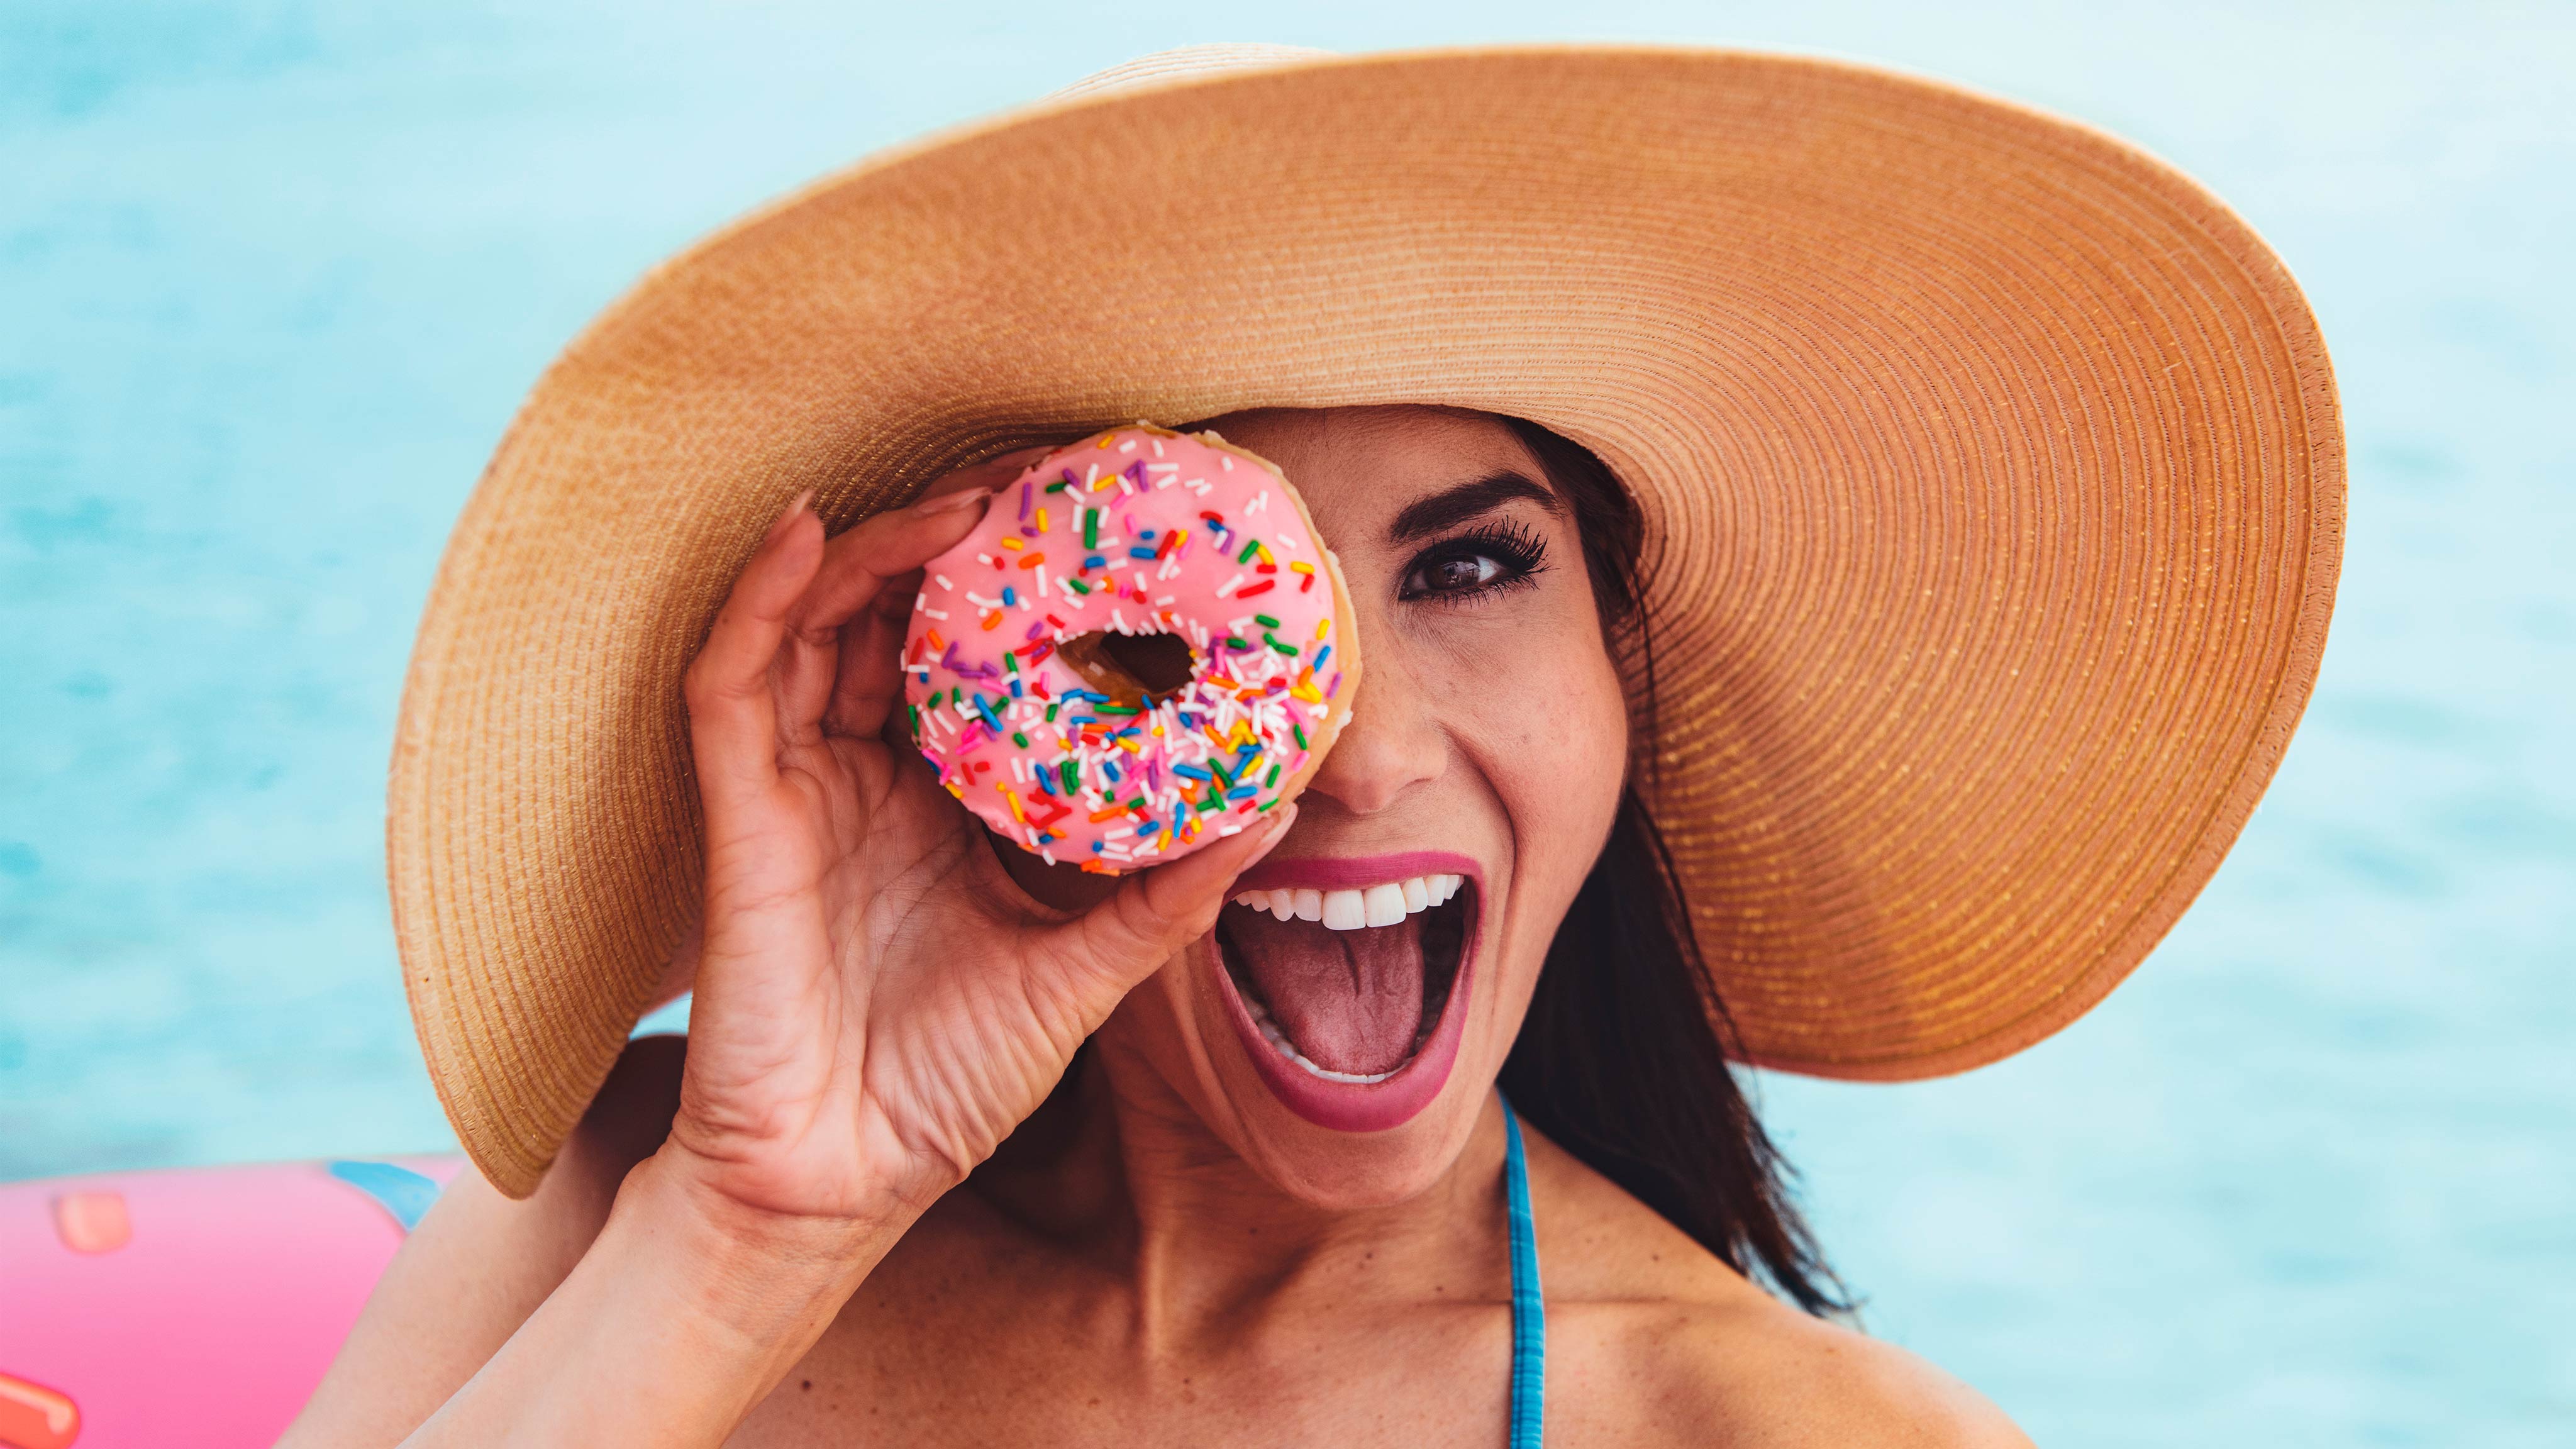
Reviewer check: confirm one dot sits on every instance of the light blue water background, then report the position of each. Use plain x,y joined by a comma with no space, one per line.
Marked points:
273,277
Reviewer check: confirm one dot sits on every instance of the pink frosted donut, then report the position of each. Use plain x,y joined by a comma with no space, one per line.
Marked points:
1142,648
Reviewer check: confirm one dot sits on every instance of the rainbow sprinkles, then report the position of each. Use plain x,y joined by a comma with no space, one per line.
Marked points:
1031,697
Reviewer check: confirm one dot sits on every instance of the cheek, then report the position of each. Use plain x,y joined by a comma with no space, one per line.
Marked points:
1545,724
1559,769
1559,740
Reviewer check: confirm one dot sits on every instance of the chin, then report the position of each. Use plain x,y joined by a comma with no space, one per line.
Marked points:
1346,1007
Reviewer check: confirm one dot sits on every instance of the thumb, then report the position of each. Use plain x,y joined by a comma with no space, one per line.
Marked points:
1106,950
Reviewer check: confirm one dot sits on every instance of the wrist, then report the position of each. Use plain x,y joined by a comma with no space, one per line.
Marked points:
762,1286
684,1313
776,1255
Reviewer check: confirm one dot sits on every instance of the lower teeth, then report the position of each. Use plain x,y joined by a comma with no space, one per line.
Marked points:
1271,1033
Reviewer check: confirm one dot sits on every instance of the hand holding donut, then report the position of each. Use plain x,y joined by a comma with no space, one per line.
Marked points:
877,1003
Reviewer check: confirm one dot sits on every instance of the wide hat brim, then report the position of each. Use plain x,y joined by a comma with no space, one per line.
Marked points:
1992,468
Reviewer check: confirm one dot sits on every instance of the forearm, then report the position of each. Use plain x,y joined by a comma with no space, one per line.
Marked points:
680,1318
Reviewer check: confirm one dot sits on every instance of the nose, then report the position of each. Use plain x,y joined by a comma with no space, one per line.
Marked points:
1392,743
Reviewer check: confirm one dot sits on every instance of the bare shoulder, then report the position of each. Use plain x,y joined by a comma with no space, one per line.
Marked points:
479,1264
1696,1373
1654,1340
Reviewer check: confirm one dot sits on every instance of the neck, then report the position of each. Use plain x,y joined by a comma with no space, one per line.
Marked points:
1121,1169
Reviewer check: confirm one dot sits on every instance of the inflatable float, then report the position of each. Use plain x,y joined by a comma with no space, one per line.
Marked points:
191,1307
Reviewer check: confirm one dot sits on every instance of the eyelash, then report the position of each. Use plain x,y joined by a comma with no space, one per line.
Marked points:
1520,552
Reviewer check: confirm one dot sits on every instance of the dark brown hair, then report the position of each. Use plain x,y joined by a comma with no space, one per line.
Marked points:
1625,1056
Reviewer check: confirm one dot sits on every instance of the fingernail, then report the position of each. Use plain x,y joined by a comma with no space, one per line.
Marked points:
1279,823
794,506
951,502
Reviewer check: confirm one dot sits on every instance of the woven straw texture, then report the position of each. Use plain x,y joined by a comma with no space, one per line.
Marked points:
1993,472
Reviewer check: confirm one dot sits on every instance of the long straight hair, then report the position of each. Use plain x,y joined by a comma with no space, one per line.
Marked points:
1626,1056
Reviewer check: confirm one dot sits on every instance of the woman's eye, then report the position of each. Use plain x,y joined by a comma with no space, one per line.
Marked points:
1461,568
1451,574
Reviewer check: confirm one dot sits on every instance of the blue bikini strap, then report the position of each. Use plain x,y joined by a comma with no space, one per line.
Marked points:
1529,1306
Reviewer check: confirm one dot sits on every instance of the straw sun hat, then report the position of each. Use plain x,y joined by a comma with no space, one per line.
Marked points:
1992,470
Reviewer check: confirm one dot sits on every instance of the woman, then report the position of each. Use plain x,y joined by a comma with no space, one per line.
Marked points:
963,1149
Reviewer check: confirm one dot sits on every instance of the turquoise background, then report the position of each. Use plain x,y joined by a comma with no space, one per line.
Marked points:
273,277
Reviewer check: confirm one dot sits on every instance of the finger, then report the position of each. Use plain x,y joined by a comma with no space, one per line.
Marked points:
871,663
860,562
1115,944
871,606
858,570
864,580
733,735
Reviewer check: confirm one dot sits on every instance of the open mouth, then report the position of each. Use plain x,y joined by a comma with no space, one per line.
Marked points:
1349,986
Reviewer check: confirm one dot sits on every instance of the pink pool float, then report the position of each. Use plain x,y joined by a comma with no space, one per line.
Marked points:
193,1307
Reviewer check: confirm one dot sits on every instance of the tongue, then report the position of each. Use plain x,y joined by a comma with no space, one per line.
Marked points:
1350,1000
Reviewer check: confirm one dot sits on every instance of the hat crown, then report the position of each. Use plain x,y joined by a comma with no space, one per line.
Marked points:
1190,62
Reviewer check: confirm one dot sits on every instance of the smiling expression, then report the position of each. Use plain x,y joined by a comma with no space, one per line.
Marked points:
1345,1050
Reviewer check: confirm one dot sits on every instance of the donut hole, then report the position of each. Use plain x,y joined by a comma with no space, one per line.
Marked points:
1132,669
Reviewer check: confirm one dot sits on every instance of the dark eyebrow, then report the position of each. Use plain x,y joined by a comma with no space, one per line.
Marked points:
1453,506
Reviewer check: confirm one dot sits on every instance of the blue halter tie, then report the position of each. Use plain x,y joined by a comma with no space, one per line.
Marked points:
1529,1307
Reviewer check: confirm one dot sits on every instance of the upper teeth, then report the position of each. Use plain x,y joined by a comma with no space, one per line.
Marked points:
1349,910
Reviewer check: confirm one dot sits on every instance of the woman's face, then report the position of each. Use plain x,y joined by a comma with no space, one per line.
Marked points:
1486,746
